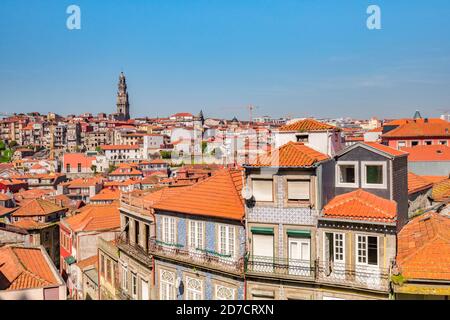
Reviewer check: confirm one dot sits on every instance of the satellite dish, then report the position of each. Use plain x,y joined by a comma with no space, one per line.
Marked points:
246,193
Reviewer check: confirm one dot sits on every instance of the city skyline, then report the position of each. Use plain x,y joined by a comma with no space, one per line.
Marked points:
292,58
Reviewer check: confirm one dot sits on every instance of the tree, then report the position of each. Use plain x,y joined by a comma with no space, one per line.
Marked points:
94,168
165,154
12,144
111,168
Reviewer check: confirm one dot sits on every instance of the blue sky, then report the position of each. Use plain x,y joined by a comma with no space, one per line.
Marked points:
299,58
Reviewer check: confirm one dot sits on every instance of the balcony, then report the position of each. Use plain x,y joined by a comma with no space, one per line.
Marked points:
135,204
366,277
363,277
281,268
134,249
197,257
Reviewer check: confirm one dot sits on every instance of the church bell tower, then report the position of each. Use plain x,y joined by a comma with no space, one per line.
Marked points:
123,105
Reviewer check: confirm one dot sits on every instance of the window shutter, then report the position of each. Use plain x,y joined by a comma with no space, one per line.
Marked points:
298,190
262,190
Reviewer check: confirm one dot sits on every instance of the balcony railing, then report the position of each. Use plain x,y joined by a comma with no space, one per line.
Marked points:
199,257
281,267
134,249
321,272
361,276
135,204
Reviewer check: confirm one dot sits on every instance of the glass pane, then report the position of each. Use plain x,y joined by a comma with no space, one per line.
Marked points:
347,173
374,174
372,250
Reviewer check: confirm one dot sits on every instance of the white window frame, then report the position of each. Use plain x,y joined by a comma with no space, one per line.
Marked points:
193,292
366,236
168,230
134,285
364,183
308,181
338,174
124,278
227,241
170,293
196,234
404,144
325,258
218,287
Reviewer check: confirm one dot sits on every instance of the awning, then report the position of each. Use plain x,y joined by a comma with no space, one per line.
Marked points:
262,230
70,260
299,233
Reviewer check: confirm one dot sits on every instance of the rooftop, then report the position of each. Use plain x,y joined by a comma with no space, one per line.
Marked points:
361,205
428,153
95,218
307,125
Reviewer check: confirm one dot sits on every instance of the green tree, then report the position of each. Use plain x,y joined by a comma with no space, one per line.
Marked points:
12,144
165,154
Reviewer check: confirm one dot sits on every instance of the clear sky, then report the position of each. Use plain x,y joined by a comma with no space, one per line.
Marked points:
299,58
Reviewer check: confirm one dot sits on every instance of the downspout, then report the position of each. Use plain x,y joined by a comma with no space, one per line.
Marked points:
245,225
98,274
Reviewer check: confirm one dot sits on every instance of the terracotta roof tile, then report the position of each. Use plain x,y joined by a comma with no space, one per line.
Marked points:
417,183
95,218
91,261
292,154
37,207
307,125
441,190
386,149
29,224
107,194
216,196
361,205
428,153
24,268
424,248
421,128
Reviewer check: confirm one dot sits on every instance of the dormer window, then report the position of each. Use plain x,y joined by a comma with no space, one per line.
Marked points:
347,174
374,174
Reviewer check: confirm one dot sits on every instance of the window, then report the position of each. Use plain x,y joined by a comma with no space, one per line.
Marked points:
195,234
428,143
167,287
68,167
401,144
108,271
444,142
226,240
133,285
102,265
367,250
224,293
298,190
193,289
168,230
374,174
262,189
414,143
79,167
334,247
347,174
124,278
302,138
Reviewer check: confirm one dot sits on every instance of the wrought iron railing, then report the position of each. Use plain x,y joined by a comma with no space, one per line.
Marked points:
362,276
281,266
196,256
134,249
333,273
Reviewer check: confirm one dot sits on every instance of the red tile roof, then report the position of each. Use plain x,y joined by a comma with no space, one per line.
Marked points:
37,207
428,153
383,148
441,190
421,128
361,205
95,218
435,179
88,262
216,196
24,268
417,183
29,224
307,125
292,154
107,194
120,147
424,248
77,158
